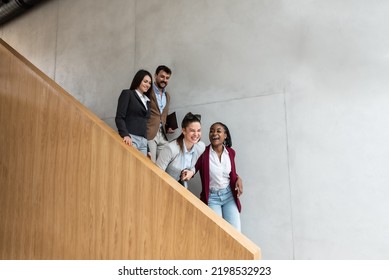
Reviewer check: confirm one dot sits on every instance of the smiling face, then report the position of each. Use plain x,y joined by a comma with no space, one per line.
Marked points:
145,84
217,135
162,79
192,134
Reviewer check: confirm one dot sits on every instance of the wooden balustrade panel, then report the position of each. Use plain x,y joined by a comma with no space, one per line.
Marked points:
70,189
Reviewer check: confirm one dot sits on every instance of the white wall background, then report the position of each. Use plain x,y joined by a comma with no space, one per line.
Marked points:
301,84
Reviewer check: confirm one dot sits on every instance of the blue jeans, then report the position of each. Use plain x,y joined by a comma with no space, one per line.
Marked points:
223,203
140,143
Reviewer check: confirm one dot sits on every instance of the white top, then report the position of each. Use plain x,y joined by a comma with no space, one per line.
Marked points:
219,170
143,97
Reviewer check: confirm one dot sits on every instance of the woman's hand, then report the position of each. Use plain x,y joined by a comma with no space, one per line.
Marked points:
127,140
239,186
186,175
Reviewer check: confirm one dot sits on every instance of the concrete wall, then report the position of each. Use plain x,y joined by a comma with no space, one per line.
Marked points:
301,84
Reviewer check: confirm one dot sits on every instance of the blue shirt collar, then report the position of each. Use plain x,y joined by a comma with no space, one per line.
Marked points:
156,89
191,151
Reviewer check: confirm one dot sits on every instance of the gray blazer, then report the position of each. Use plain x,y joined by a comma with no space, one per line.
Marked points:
171,158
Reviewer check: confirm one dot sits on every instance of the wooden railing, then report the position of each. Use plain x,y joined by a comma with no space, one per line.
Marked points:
70,189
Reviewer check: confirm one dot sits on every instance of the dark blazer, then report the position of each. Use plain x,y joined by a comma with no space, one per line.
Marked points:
131,114
202,165
156,118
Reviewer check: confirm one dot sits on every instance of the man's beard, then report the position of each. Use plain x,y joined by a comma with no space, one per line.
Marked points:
160,86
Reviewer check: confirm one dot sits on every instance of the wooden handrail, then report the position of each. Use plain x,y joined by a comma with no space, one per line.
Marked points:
70,189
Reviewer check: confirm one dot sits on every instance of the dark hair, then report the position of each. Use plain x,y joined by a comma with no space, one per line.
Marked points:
138,78
163,68
189,118
228,141
186,121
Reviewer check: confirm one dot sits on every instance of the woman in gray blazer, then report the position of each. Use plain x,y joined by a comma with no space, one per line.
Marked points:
179,157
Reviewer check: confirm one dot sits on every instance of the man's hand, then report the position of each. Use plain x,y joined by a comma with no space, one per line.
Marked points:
169,130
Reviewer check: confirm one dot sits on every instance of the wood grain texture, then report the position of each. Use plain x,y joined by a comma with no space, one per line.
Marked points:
70,189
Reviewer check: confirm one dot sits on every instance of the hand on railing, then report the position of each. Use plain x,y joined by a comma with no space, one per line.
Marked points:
127,140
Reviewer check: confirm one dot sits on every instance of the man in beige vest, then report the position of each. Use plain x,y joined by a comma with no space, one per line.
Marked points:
159,109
